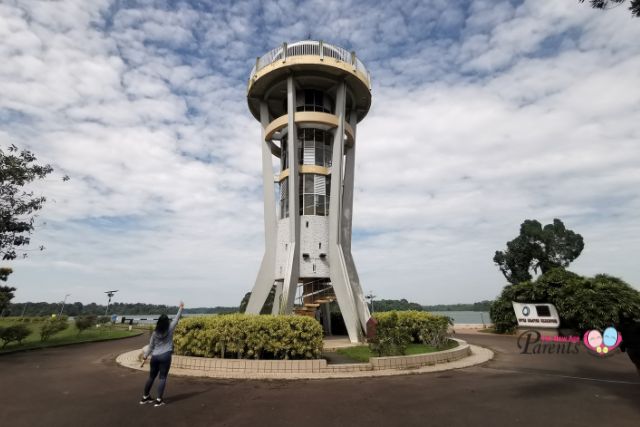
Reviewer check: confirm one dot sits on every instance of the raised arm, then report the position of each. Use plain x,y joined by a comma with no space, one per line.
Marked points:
174,322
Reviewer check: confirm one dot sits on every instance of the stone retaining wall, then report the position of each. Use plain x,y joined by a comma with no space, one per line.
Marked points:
418,360
320,365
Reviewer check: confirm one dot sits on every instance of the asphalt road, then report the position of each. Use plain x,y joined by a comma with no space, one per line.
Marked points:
83,386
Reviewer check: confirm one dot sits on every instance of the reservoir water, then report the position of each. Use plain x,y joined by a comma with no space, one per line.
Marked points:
459,317
462,317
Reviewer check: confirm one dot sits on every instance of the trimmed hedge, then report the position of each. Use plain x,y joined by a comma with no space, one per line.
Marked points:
244,336
397,329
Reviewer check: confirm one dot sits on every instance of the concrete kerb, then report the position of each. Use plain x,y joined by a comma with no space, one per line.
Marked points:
463,356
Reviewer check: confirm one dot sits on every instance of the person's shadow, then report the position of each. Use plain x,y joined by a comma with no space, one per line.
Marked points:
182,396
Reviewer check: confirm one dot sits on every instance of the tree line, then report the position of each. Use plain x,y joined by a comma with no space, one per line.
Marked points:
78,309
31,309
476,306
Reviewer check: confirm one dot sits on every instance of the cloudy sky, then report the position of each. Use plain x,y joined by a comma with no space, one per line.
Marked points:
485,113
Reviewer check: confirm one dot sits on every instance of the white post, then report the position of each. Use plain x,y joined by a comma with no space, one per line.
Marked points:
63,303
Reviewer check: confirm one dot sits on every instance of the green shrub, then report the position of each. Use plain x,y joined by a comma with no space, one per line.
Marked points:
435,331
249,337
52,326
85,322
103,320
13,333
582,302
396,330
33,319
392,335
597,302
502,314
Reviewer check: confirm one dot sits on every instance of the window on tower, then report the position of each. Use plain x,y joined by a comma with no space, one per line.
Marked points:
284,198
314,194
313,100
314,147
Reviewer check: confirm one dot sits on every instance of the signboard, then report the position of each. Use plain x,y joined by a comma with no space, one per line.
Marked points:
536,315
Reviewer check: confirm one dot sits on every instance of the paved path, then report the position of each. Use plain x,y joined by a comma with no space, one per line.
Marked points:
83,386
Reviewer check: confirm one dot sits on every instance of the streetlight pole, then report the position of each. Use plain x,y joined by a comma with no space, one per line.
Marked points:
370,297
109,294
63,303
24,309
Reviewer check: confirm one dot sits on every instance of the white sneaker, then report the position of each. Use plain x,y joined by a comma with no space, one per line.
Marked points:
145,400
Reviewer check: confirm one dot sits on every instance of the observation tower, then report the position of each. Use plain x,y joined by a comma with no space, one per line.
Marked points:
309,97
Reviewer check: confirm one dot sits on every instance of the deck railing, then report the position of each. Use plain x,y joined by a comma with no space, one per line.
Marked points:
310,47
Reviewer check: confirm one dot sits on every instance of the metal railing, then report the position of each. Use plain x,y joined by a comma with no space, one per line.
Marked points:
310,47
324,287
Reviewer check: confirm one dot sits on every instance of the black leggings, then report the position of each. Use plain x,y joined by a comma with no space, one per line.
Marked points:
160,364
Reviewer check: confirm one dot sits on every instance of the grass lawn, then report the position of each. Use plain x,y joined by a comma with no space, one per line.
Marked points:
362,353
68,336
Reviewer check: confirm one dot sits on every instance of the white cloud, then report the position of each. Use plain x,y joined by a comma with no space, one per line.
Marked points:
482,116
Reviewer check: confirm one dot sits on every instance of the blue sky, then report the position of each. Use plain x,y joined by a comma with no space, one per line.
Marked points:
485,113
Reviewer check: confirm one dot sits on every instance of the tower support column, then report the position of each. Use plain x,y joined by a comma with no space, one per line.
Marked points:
292,270
277,299
346,227
339,271
266,274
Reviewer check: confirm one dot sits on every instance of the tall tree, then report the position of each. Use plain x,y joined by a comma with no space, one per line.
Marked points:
538,248
634,5
268,304
17,205
6,292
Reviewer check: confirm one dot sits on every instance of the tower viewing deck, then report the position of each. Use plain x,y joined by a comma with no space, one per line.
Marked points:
310,56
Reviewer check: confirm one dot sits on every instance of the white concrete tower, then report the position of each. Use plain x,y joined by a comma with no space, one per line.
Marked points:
309,96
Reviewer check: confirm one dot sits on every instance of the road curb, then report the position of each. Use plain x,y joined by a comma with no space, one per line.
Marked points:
20,350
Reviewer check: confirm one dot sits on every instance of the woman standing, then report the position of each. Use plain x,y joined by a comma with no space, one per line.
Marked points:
160,349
